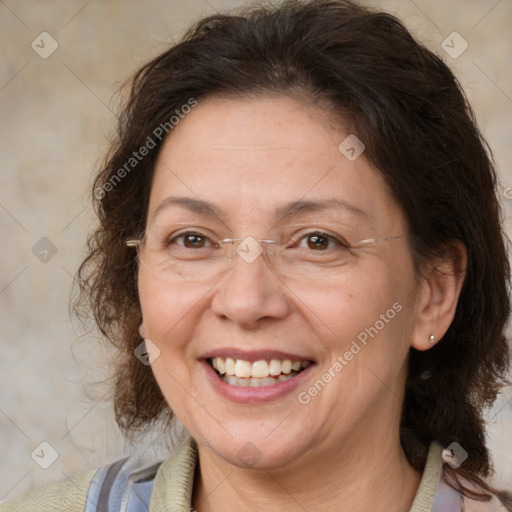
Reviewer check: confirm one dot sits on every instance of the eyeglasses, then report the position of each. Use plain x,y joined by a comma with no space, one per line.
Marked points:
197,255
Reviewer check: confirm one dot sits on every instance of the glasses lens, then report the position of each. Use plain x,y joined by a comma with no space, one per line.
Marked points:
193,256
189,257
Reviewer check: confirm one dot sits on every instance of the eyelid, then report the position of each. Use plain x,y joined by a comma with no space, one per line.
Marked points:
336,239
287,237
179,234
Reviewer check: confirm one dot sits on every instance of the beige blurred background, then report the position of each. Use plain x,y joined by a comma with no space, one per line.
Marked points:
56,114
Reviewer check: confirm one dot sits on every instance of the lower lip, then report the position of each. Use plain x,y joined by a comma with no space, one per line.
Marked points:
254,395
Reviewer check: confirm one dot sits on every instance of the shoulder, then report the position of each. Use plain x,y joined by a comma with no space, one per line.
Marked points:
492,505
128,483
106,488
436,495
67,496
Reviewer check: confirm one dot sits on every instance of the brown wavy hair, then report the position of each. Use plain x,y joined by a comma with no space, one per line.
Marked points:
420,133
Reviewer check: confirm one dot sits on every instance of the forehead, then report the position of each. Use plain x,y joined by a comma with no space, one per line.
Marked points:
248,157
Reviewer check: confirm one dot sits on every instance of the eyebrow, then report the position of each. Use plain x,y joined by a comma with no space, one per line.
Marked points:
303,206
198,206
206,209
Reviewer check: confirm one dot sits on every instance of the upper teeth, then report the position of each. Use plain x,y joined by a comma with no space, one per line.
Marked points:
258,369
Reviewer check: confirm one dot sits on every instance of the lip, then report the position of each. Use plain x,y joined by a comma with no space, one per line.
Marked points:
259,395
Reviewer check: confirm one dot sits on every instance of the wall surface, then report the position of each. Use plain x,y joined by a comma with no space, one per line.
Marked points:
61,62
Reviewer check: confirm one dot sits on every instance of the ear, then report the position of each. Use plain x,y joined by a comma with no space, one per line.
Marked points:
142,331
438,296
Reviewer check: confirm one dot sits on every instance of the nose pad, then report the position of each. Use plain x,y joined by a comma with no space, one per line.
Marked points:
250,292
249,249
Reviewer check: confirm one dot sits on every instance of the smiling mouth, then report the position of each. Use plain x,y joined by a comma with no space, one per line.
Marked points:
242,373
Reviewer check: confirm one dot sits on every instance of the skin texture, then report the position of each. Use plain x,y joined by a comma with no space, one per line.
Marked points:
248,158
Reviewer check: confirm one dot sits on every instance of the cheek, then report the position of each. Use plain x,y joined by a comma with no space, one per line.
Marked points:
358,297
365,318
170,314
169,311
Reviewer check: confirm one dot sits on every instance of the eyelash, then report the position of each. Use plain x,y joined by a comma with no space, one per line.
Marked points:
184,234
337,241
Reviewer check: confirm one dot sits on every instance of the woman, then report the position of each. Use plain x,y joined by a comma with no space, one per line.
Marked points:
300,255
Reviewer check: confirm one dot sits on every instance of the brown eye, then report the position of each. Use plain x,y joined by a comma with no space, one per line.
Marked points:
193,241
318,241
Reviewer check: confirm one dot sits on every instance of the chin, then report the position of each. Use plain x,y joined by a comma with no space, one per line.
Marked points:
259,451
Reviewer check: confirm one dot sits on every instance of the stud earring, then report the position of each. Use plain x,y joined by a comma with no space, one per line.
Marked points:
432,338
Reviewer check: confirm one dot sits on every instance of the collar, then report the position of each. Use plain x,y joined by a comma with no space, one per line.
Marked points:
175,479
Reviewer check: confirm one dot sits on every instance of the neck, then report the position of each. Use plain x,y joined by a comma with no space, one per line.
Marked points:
373,476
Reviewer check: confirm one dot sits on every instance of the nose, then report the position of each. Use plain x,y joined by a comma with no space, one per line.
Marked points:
250,294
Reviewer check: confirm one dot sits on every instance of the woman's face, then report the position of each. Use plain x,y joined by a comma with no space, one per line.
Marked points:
272,168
